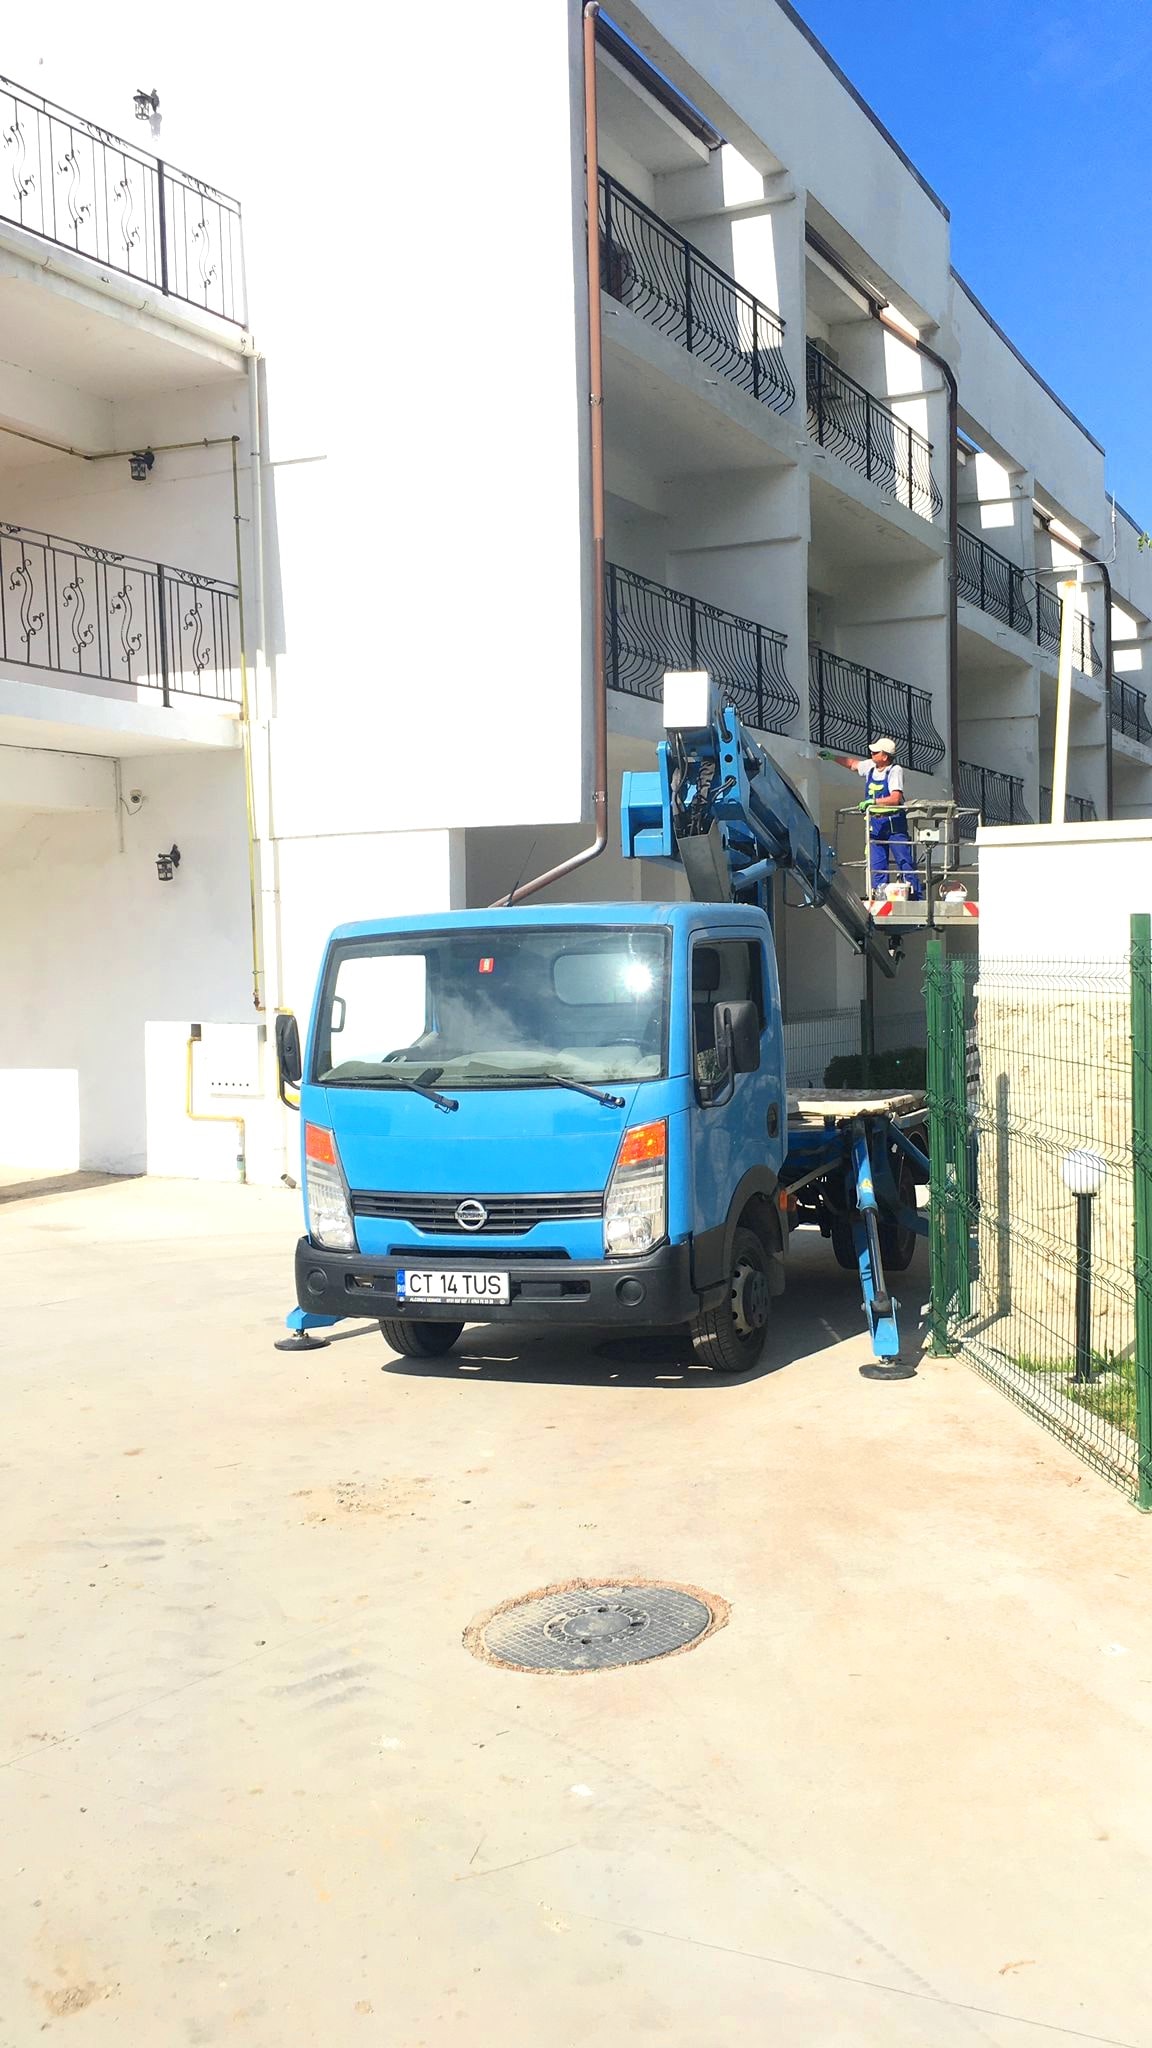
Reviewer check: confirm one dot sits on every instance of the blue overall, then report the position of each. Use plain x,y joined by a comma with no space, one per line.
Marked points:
888,837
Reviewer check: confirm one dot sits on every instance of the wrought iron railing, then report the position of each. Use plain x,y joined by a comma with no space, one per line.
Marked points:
1077,809
1129,707
1083,632
849,705
870,437
71,183
999,798
650,268
650,628
989,579
78,610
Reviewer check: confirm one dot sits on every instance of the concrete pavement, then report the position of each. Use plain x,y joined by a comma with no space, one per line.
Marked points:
258,1792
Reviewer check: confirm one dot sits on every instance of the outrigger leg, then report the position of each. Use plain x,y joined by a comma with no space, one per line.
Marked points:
879,1305
301,1322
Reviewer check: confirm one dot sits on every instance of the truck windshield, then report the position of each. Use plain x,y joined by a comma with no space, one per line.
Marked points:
495,1008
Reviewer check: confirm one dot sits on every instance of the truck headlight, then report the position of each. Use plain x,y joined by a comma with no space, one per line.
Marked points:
329,1216
636,1205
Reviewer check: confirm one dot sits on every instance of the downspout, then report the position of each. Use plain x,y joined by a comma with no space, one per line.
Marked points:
877,309
596,429
246,740
949,376
1064,541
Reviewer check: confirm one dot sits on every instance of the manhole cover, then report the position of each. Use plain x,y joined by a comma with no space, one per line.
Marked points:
585,1626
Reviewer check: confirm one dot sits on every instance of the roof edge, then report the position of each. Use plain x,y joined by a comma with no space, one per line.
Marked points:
1022,359
826,58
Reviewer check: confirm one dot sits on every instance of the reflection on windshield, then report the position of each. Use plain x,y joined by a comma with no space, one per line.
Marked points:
471,1008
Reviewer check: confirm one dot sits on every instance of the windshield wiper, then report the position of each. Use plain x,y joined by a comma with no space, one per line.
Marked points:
581,1087
445,1102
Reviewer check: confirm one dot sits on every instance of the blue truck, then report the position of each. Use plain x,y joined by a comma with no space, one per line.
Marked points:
578,1115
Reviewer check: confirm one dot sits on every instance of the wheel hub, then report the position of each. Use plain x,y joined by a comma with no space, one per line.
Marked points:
749,1299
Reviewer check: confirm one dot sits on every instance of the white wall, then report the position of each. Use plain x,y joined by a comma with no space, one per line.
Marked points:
101,953
1063,892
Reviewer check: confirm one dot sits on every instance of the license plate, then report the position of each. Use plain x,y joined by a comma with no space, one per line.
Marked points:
451,1286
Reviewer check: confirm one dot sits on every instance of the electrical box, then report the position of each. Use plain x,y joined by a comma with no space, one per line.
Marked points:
230,1058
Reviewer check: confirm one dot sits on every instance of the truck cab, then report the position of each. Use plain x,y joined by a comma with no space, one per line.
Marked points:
564,1114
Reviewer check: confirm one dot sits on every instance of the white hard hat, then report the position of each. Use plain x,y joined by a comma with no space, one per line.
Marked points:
882,746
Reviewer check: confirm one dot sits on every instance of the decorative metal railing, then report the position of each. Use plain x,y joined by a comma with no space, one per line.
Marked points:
79,610
989,579
1083,632
1077,809
999,798
1129,708
650,628
870,437
650,268
76,185
850,705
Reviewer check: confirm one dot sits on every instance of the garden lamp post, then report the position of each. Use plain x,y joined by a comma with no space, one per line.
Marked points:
1083,1174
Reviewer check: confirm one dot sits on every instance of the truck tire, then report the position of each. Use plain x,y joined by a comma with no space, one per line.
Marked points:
420,1340
843,1246
730,1338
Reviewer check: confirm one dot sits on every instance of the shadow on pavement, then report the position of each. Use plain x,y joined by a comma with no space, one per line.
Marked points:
820,1309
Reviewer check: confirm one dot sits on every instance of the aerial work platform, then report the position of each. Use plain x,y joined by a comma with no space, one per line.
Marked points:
944,857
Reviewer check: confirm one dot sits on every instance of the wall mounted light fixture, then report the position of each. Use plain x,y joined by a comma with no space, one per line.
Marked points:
167,863
140,465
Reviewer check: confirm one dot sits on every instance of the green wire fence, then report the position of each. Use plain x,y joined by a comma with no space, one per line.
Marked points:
1040,1117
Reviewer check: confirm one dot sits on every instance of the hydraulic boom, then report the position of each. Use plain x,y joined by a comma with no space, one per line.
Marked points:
718,806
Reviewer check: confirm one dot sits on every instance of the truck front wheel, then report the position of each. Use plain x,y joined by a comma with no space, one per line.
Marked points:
730,1337
420,1340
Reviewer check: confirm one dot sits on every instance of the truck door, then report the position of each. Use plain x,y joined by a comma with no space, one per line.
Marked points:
738,1125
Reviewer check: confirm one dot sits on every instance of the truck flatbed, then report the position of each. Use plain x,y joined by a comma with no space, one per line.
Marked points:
843,1104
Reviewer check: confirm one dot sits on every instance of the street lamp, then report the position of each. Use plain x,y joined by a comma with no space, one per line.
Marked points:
1083,1174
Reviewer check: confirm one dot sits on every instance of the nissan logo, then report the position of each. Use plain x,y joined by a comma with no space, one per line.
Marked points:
471,1215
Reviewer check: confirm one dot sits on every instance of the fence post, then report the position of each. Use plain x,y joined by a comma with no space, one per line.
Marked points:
1141,970
939,1122
755,348
162,634
958,1088
162,224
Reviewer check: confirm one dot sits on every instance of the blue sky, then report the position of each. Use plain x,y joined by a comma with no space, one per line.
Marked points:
1033,123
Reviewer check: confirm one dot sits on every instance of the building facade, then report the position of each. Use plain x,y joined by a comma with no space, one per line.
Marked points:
295,562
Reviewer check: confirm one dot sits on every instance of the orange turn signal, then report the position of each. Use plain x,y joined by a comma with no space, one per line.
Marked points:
319,1145
644,1142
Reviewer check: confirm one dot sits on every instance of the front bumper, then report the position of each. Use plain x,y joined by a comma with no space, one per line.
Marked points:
627,1293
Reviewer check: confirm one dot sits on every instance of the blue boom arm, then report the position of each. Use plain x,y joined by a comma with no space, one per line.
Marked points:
718,806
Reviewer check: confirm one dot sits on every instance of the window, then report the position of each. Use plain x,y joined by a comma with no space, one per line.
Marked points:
481,1007
723,971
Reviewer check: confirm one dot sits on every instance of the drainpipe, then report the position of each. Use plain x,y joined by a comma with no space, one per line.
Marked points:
596,426
949,376
877,309
1064,540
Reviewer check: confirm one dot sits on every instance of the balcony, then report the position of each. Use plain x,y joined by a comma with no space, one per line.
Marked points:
988,579
867,435
849,704
84,190
75,610
1083,633
1129,710
999,798
650,628
1077,809
649,268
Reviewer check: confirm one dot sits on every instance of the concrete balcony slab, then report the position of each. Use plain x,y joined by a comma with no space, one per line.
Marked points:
106,719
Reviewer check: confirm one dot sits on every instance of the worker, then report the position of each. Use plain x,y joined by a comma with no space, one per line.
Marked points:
883,805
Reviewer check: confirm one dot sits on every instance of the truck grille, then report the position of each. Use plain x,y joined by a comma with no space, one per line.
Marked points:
508,1215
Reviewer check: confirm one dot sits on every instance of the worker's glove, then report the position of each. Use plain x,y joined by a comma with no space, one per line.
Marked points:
865,806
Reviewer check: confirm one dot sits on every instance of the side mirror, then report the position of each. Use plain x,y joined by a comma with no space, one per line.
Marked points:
738,1036
289,1058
